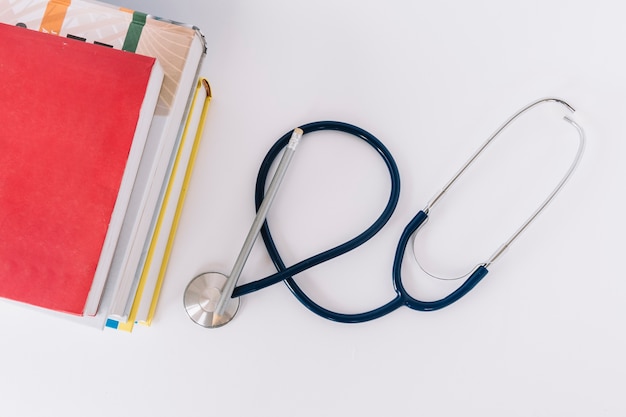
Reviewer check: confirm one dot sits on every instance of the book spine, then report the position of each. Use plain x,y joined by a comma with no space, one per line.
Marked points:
147,294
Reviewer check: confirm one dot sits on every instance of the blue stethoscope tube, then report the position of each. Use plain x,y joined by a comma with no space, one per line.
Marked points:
286,273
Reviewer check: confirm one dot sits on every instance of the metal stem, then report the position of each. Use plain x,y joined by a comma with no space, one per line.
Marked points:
261,215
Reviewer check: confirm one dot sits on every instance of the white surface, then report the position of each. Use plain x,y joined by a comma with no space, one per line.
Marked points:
542,335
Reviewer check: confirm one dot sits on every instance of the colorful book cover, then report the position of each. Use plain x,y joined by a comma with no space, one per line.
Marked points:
105,24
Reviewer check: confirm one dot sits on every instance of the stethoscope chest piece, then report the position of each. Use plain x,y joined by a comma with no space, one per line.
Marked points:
201,300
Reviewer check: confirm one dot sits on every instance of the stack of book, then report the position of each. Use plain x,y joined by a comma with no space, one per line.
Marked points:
102,111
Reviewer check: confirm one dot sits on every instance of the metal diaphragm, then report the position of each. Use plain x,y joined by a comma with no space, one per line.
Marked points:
201,298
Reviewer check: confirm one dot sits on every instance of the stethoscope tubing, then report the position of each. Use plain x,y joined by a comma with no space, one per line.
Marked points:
286,274
475,277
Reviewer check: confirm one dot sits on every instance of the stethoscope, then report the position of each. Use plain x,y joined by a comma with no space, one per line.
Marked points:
212,299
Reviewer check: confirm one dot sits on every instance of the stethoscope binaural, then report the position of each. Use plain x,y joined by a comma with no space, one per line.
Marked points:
212,299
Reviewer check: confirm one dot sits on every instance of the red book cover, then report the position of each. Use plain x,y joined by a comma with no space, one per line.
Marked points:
68,114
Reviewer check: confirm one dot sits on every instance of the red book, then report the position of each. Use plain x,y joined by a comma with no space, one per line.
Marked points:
74,117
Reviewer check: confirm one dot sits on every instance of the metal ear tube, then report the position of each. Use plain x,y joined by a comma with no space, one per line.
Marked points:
542,206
